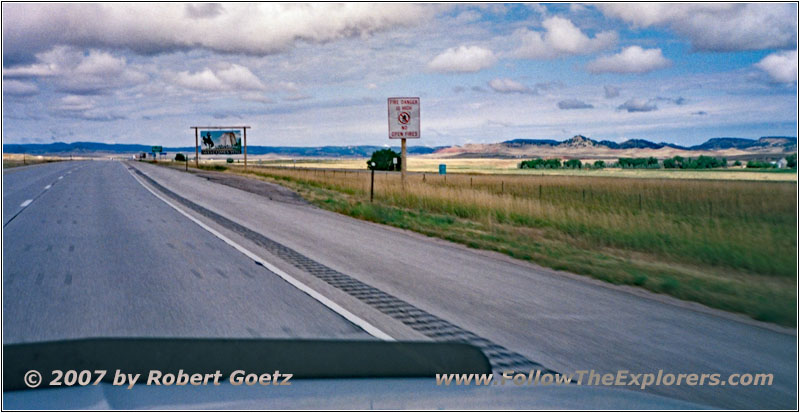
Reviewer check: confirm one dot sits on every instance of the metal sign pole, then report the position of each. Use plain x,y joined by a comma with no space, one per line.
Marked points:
403,162
196,150
245,148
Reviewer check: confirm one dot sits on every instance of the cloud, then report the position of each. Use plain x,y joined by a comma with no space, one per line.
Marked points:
638,105
781,66
231,78
463,59
611,91
632,59
257,97
506,85
680,100
83,108
717,27
18,88
73,71
574,104
560,38
203,10
248,28
74,103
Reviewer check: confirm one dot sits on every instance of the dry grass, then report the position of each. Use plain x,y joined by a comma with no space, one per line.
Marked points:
12,160
509,167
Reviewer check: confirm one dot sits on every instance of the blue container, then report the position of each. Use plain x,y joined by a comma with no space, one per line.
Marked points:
442,169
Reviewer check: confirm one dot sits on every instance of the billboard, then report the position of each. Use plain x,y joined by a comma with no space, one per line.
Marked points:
403,118
221,142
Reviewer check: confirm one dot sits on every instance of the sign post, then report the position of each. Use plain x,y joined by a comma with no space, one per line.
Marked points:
403,124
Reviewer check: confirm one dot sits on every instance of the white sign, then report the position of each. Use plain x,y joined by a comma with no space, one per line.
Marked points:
403,118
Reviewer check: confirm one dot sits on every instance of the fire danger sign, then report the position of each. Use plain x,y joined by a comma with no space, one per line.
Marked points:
403,118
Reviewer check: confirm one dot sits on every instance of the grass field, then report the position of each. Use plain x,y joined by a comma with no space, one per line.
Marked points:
509,166
729,244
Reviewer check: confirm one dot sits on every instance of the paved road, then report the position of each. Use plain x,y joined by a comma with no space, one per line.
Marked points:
565,322
95,254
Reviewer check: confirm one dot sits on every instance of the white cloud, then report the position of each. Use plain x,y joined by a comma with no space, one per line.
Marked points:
75,72
249,28
84,108
720,27
632,59
508,86
781,66
230,78
560,38
74,103
638,105
18,88
463,59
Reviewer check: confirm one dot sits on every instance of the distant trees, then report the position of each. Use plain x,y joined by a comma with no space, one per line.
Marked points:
180,157
384,160
760,164
540,163
599,164
791,161
638,163
573,164
702,162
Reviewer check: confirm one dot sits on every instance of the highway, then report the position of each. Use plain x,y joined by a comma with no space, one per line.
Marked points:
98,254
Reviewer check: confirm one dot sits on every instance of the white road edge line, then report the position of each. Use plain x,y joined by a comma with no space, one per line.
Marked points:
26,203
48,186
366,326
61,177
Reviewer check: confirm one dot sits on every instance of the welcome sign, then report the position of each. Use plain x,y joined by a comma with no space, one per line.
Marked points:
221,142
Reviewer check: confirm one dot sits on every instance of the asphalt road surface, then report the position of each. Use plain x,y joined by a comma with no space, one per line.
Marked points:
97,254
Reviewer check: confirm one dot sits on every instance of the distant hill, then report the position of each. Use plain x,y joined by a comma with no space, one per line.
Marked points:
576,147
580,146
87,148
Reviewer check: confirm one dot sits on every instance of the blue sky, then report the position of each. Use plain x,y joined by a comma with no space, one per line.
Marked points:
319,74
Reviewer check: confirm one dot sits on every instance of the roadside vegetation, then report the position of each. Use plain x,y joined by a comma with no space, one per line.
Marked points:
15,160
723,243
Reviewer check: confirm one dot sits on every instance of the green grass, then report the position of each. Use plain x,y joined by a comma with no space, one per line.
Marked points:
726,244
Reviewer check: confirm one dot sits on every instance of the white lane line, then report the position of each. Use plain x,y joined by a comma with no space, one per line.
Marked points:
365,325
26,203
61,177
48,186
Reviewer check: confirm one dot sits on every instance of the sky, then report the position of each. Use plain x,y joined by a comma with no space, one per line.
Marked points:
319,74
